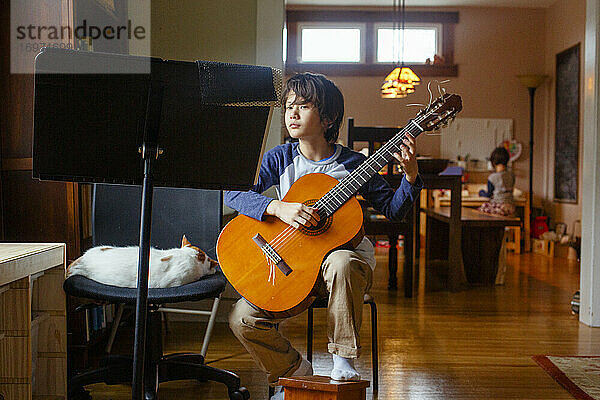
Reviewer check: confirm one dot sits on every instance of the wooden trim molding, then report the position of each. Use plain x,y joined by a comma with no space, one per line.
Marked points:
17,164
339,69
370,18
385,15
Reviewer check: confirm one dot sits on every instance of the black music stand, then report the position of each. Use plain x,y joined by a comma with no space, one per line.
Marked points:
185,124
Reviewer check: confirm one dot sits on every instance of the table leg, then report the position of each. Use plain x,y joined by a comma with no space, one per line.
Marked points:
527,226
408,264
393,262
481,248
411,250
457,279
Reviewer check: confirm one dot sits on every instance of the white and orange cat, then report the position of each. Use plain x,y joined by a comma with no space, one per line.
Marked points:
118,266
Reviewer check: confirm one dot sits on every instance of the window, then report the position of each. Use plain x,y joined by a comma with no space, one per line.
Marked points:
420,43
340,42
331,43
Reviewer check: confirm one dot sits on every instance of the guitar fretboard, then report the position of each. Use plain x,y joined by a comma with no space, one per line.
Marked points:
350,185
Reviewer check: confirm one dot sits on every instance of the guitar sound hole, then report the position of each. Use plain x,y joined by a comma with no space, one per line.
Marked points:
321,227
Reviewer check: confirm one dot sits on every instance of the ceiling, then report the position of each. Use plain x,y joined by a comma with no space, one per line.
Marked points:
428,3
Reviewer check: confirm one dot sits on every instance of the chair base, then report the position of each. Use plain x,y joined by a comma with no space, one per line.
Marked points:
159,368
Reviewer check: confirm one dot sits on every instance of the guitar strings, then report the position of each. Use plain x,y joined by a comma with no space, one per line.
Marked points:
271,271
346,182
290,234
282,236
387,147
286,237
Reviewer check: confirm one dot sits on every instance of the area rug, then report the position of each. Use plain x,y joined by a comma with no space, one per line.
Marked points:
580,375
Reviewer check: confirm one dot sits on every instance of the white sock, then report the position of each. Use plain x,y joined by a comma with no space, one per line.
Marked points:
343,369
278,393
305,369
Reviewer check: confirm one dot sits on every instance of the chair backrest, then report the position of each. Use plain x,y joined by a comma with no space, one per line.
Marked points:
374,136
195,213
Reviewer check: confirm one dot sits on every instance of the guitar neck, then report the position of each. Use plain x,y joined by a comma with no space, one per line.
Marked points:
352,183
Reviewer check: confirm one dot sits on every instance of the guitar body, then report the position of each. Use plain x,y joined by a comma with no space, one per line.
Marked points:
275,266
246,266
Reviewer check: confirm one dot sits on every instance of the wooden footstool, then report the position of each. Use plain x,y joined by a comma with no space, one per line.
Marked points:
322,388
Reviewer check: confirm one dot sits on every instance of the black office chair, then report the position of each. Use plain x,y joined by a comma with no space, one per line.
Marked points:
322,303
115,221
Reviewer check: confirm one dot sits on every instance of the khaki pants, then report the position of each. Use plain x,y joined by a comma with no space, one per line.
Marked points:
345,278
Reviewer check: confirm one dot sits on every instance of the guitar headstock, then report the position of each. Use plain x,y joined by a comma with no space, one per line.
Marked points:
439,112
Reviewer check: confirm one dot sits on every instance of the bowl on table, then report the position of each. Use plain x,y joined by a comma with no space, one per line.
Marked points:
432,165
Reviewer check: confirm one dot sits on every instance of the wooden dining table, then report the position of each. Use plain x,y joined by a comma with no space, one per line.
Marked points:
410,229
454,220
455,278
481,241
474,200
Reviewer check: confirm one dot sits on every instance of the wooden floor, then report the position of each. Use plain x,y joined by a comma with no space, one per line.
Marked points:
475,344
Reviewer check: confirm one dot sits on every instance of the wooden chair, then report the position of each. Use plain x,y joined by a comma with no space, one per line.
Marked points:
374,224
514,232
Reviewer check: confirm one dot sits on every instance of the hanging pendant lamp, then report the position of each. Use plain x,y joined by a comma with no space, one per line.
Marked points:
402,80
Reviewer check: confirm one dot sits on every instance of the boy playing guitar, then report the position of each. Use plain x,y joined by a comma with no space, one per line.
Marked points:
314,109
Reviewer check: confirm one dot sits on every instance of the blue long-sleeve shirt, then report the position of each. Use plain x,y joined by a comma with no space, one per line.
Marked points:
284,164
490,190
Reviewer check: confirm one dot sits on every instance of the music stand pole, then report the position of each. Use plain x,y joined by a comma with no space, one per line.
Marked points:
198,98
150,152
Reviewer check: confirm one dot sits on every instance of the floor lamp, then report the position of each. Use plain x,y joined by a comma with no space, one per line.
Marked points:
531,82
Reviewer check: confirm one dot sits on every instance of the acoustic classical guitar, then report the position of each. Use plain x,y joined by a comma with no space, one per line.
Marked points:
275,266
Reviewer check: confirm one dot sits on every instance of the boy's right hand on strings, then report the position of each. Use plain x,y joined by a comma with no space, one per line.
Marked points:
293,214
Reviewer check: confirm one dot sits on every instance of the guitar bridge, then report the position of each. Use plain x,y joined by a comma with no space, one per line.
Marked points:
271,254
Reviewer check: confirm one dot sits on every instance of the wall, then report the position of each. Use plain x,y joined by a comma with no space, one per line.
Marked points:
590,246
236,31
565,27
269,49
492,46
210,30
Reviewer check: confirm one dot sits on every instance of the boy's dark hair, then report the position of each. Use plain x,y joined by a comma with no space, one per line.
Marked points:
499,156
323,94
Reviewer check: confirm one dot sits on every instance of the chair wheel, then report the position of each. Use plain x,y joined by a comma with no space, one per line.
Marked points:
240,394
575,302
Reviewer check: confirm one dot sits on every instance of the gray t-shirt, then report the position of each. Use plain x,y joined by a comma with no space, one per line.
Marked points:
504,183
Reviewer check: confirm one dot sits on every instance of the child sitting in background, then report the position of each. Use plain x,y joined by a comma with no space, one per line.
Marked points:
500,186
